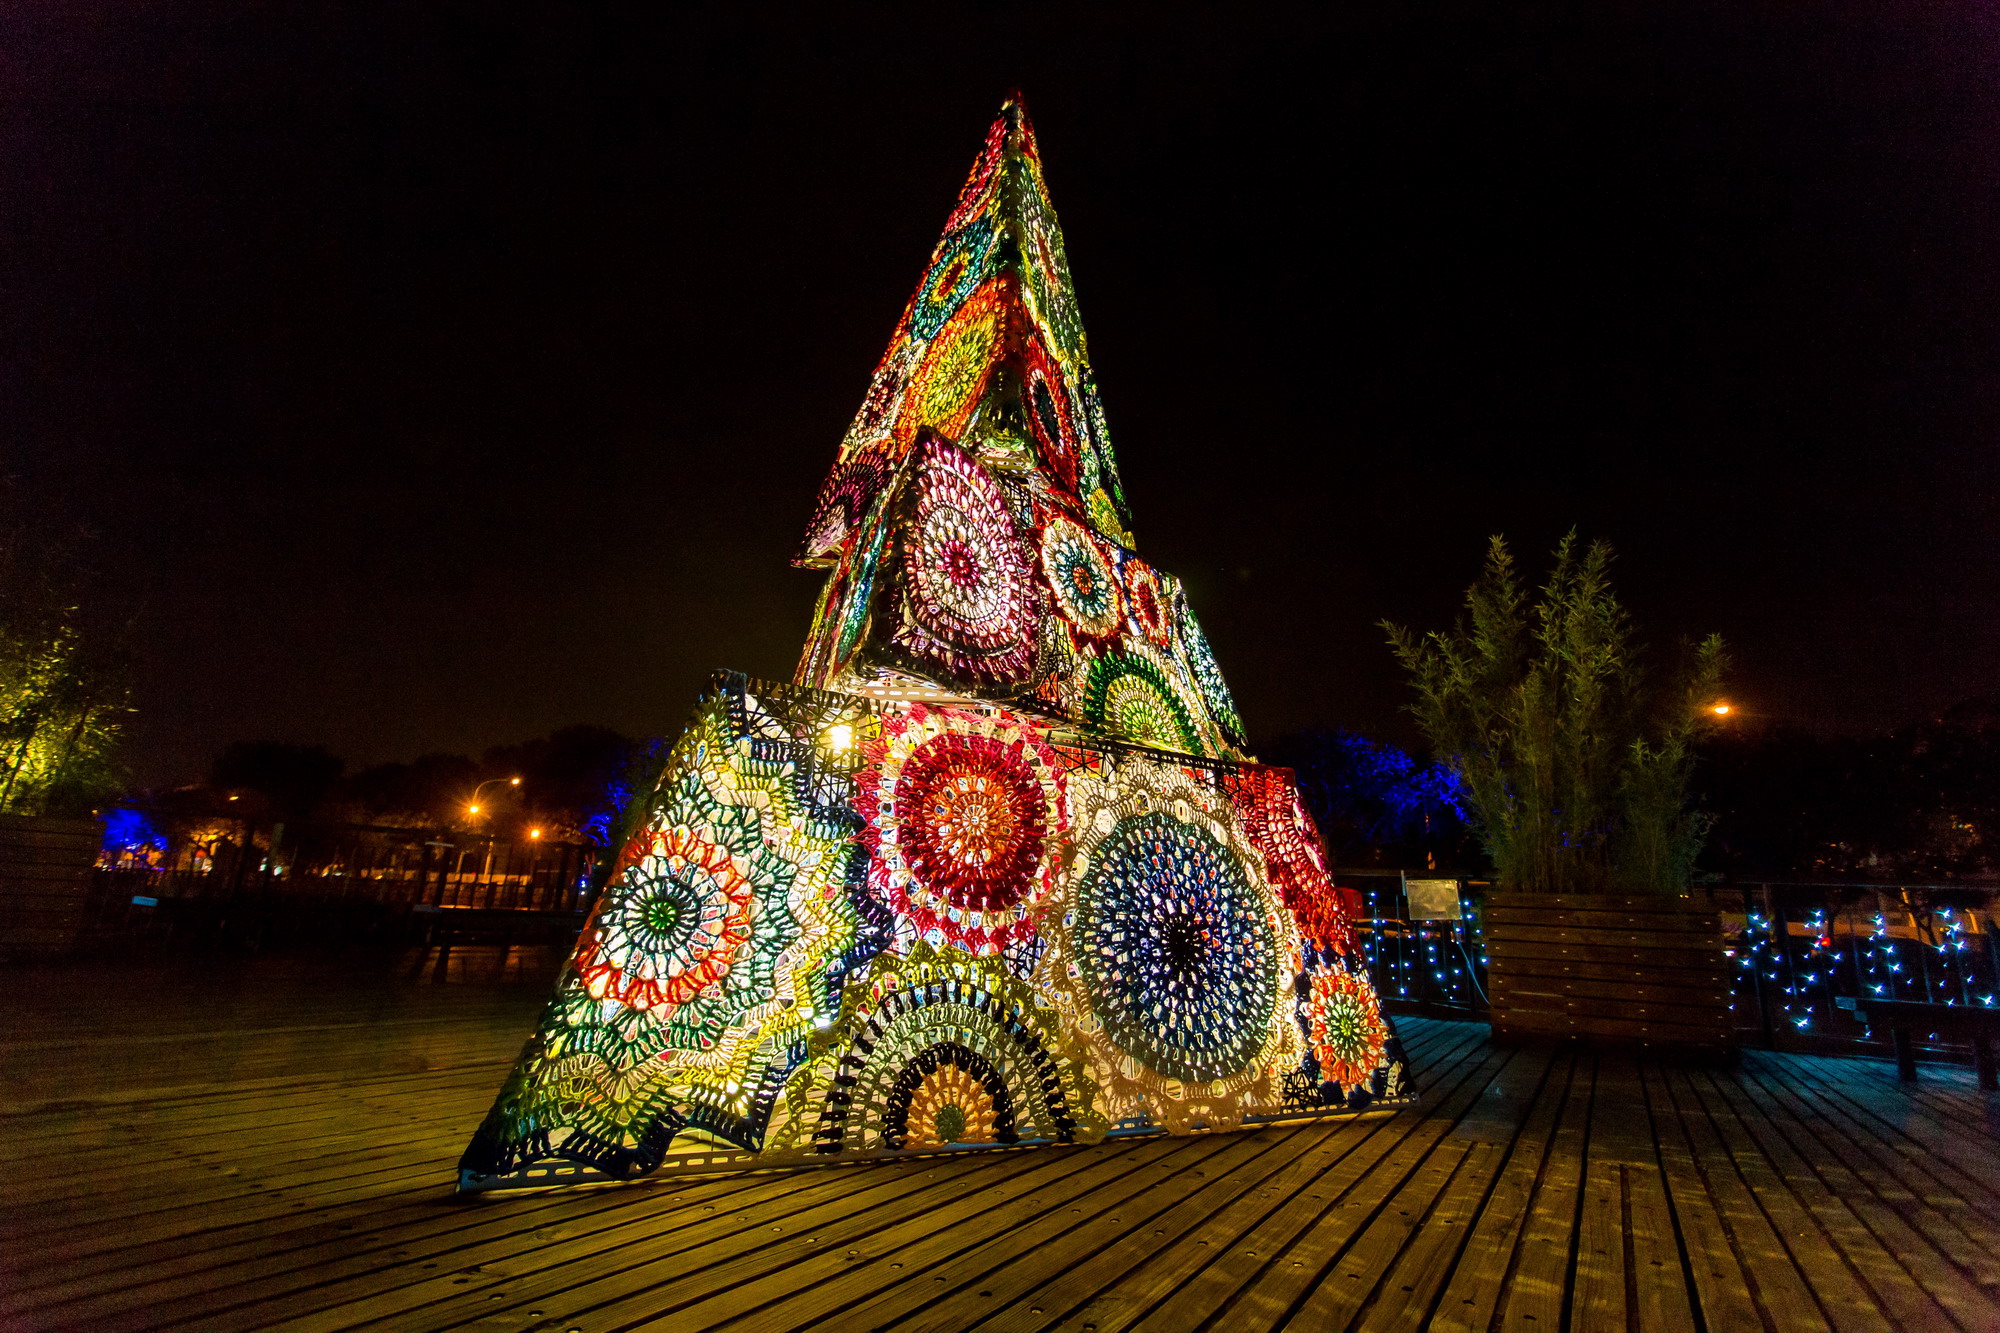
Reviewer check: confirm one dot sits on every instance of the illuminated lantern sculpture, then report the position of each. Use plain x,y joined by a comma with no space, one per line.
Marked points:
995,867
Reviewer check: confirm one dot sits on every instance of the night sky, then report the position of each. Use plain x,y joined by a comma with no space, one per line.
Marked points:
436,375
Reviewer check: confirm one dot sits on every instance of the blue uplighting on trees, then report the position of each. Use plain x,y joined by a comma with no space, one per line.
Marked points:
131,831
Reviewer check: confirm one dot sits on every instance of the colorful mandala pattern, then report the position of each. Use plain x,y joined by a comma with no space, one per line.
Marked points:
989,360
1146,600
1345,1024
737,876
1177,948
845,500
898,927
1045,398
927,1013
681,920
1103,512
883,403
962,812
971,605
956,366
956,272
1043,262
1081,579
1133,697
954,1096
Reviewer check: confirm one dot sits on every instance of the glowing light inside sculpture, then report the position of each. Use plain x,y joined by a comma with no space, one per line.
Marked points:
994,868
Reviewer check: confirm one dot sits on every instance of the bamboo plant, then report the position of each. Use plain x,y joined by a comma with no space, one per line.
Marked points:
1576,762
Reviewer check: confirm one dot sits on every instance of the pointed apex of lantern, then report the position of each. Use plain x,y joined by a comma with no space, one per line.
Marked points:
989,355
974,529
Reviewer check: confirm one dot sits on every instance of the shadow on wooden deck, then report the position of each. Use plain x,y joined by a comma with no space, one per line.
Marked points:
258,1148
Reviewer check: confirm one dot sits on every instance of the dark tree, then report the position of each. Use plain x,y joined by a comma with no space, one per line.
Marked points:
430,791
1920,803
292,780
566,774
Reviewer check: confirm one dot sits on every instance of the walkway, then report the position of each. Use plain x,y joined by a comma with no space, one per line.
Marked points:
277,1151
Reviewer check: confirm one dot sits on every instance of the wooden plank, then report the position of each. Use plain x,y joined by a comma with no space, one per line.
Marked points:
1622,1143
1773,1162
1597,1281
37,936
1639,941
1060,1279
1695,960
1535,1277
1413,1288
1528,1024
1919,1175
1617,992
1286,1281
1503,899
1882,1203
748,1215
324,1245
1656,1259
1553,995
894,1273
1705,1011
869,1298
1951,1208
1696,924
1479,1279
1937,1254
47,859
1619,972
1722,1288
1935,1129
1554,977
1146,1231
1345,1288
1522,1024
1055,1285
1201,1272
82,847
1790,1303
925,1221
1936,1143
75,848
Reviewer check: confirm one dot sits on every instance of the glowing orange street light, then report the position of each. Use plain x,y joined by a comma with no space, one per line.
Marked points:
1720,710
534,833
472,807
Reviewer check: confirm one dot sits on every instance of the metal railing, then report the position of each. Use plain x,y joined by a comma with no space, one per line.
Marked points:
341,879
1421,964
1795,950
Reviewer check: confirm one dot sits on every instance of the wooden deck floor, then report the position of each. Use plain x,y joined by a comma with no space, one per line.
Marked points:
278,1153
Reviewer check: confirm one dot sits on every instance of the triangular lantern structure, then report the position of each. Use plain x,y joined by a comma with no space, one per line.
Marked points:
994,869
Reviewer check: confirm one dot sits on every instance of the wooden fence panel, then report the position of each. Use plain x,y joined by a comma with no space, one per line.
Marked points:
1609,967
44,881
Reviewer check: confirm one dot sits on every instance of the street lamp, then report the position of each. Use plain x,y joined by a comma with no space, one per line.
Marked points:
472,807
1720,709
